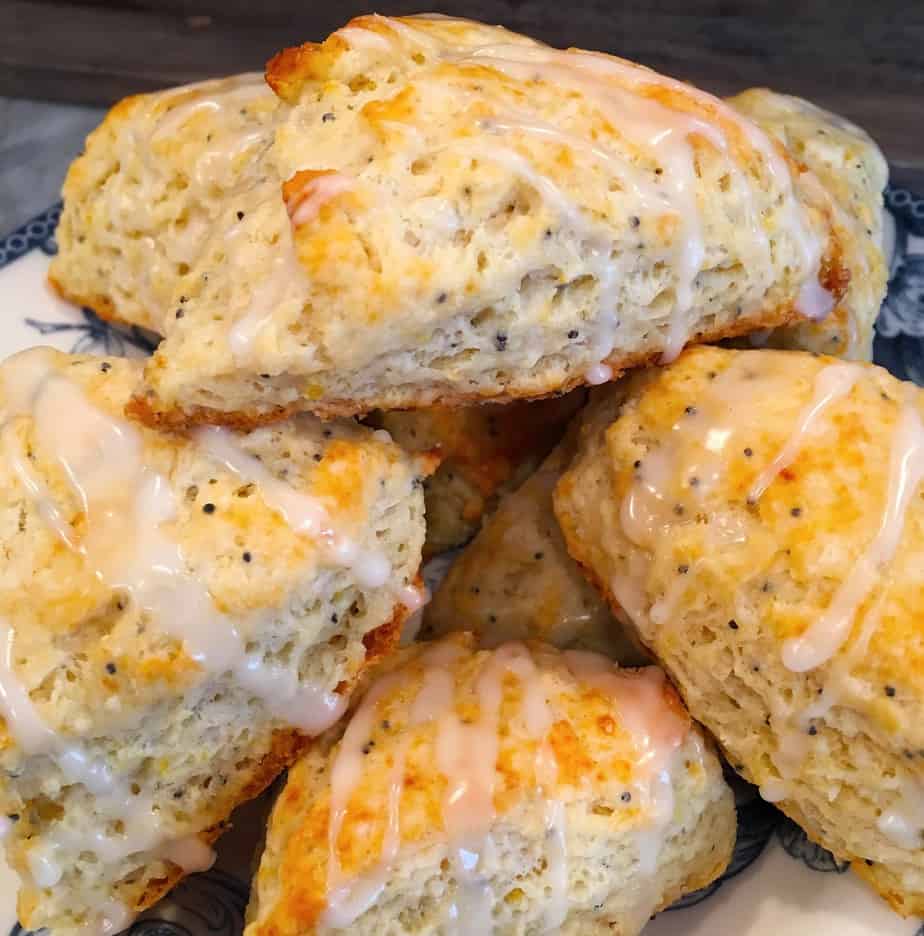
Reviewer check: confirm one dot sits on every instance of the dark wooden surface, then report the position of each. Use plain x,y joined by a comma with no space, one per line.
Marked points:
863,58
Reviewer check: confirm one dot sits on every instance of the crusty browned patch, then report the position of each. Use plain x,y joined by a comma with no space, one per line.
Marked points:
289,69
379,643
140,408
885,884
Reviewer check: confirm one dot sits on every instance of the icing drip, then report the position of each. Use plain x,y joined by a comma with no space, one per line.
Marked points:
831,385
619,86
215,96
827,635
284,280
903,823
23,723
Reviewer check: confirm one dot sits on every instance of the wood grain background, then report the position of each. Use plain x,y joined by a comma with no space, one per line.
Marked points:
862,58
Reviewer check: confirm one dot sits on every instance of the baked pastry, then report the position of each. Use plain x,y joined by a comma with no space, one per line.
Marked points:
519,790
516,580
177,614
475,207
853,170
758,517
163,166
484,451
141,200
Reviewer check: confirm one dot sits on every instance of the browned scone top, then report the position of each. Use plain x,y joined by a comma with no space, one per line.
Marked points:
758,517
527,789
453,213
179,612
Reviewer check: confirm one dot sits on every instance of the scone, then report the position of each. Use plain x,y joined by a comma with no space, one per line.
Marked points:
516,580
853,170
520,790
460,213
155,176
177,614
758,516
161,165
484,451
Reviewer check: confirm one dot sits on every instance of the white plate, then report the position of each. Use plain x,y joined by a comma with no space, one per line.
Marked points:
778,882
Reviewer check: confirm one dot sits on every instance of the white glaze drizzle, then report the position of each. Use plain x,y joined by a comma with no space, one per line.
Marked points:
215,96
656,740
827,635
466,753
271,291
903,822
832,384
646,514
598,374
23,722
666,132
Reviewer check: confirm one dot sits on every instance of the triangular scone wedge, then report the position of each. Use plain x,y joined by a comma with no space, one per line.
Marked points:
522,789
460,214
758,518
178,612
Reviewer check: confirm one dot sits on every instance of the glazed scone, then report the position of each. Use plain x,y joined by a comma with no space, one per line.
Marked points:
483,450
520,790
758,516
516,580
177,613
461,214
155,177
853,170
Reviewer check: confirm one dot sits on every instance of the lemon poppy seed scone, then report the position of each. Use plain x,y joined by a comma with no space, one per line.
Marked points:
516,580
483,450
758,516
464,214
177,614
154,178
853,170
520,790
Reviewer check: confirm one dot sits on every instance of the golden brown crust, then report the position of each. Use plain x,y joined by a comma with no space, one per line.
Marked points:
139,407
591,747
285,68
102,306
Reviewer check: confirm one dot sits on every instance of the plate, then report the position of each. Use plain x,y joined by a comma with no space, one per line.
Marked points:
778,880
